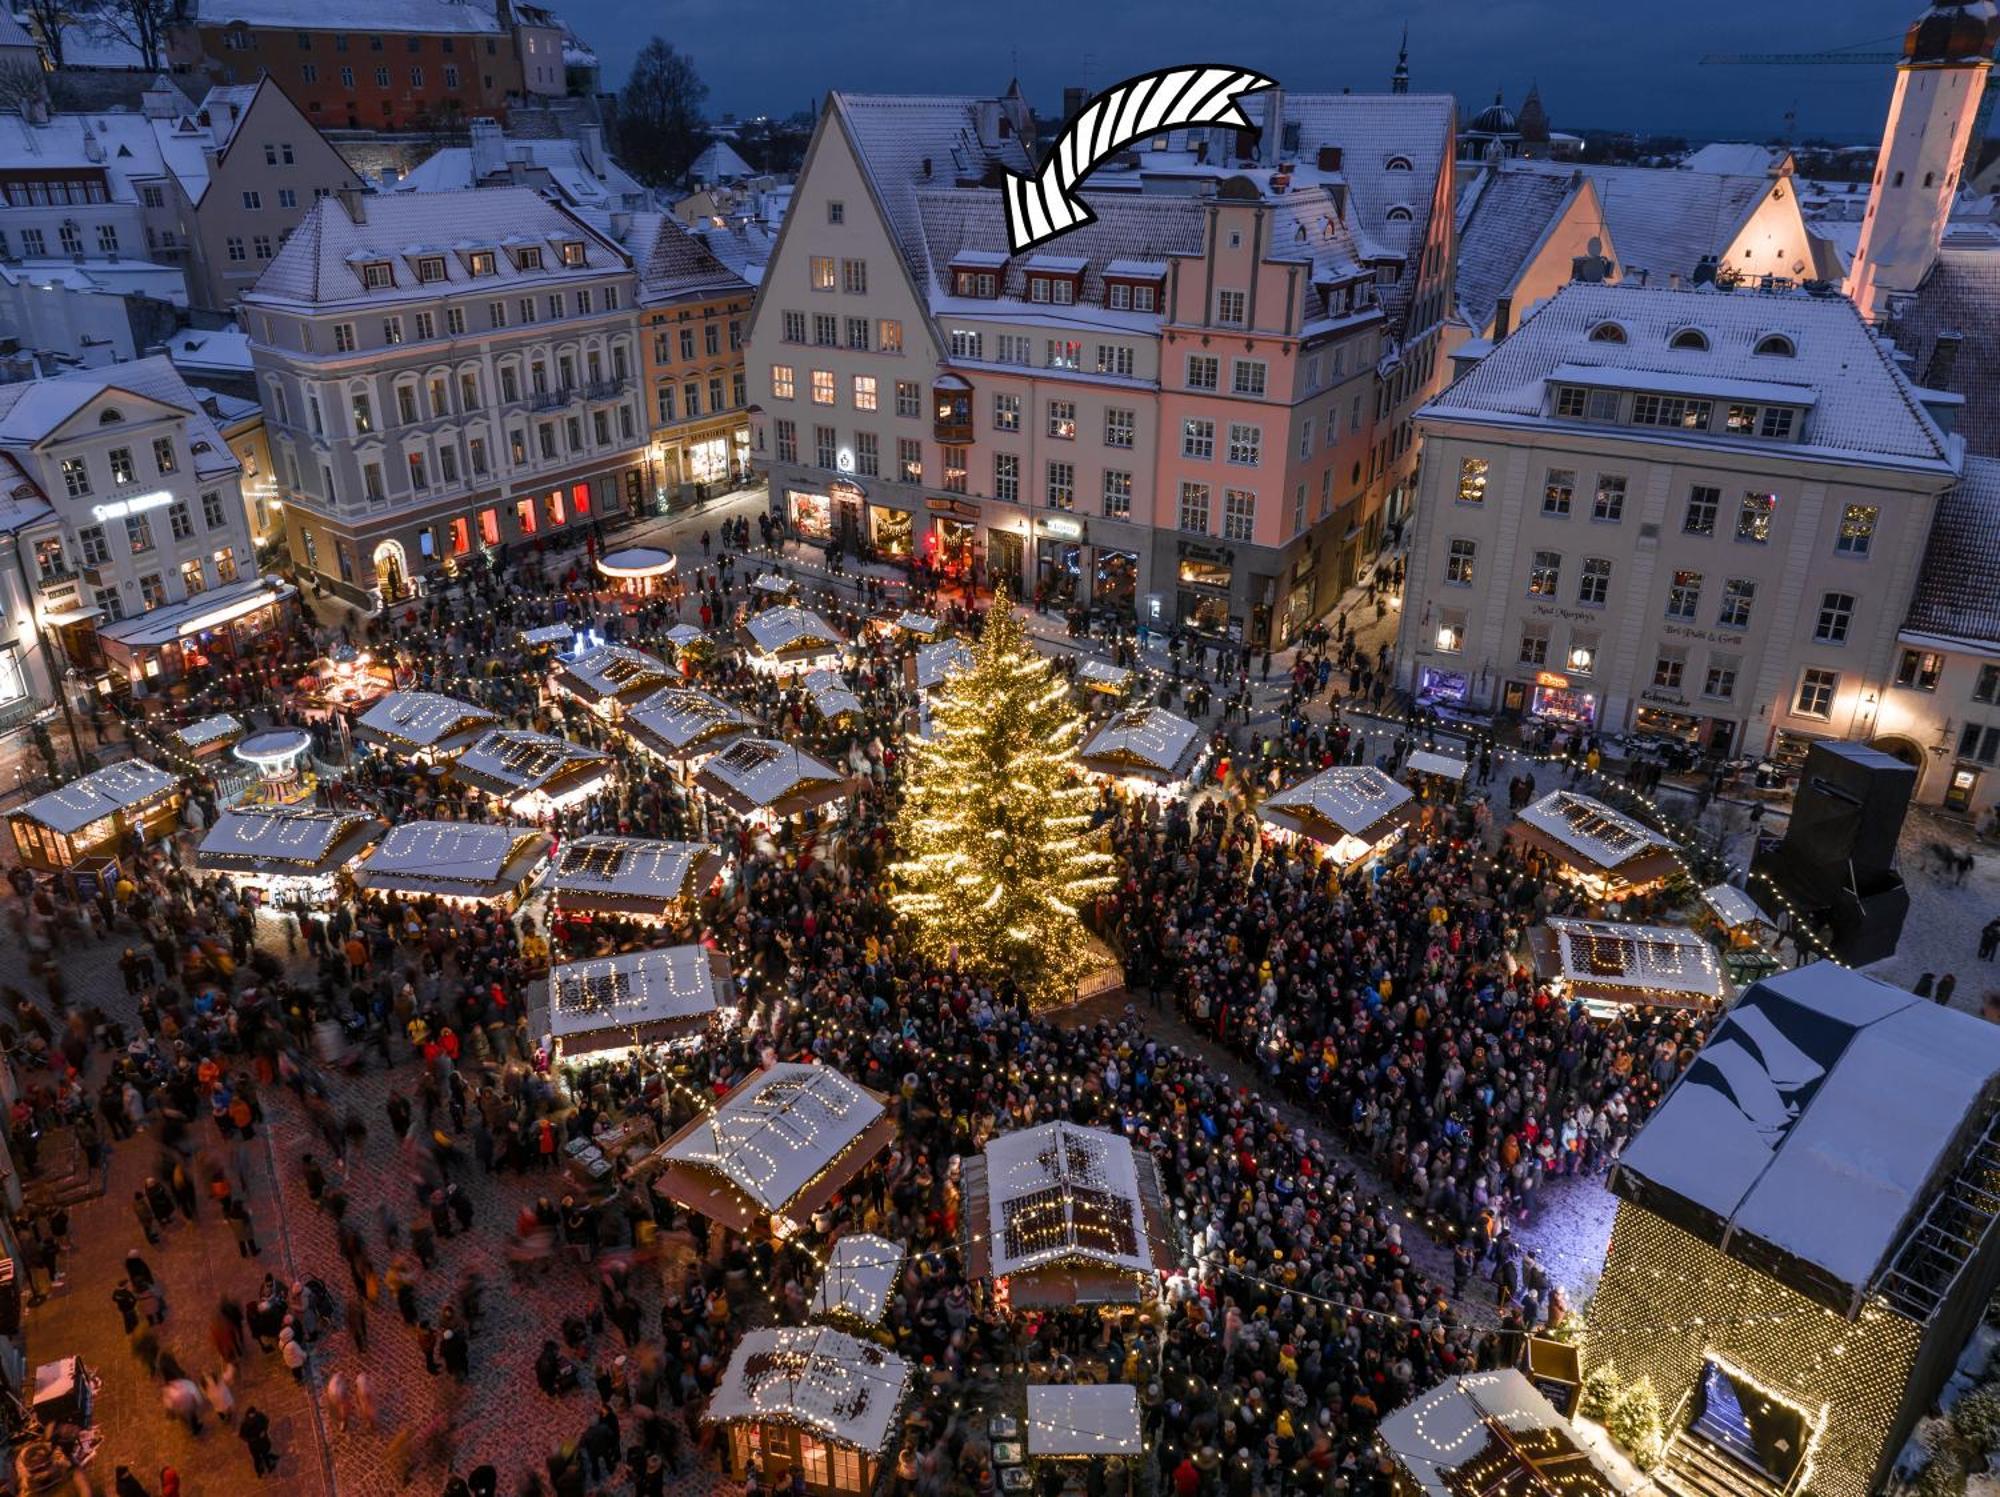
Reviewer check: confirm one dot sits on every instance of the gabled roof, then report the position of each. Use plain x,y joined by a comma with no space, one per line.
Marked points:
1956,596
72,807
718,162
957,224
817,1379
1665,221
1959,298
460,17
1504,218
35,410
674,263
1061,1191
860,1275
1737,158
778,1130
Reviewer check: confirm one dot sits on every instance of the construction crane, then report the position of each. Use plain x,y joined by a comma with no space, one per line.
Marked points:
1801,59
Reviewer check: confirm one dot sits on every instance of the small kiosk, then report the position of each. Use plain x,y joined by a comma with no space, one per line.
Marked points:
423,726
638,571
547,636
282,758
288,853
1610,966
1601,850
809,1399
1490,1434
1748,934
1353,812
684,638
683,725
1102,677
774,585
607,1006
611,678
1146,750
932,664
207,739
922,625
831,695
632,876
532,774
468,861
1083,1422
1438,766
767,781
775,1150
861,1274
787,640
91,818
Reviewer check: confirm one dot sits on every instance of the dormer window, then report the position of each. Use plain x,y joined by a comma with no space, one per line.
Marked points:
1057,290
1776,345
1398,164
1689,337
1399,215
572,252
528,257
1607,332
480,263
378,275
980,283
430,268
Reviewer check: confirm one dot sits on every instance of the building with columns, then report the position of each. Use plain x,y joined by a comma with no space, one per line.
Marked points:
1692,515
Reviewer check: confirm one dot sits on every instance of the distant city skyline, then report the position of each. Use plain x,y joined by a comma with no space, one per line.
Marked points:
1598,67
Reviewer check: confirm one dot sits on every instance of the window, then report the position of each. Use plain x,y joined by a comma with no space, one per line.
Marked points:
1753,519
1558,491
1062,420
529,257
1230,308
822,387
1720,682
1741,420
1919,670
193,579
1670,410
180,520
1545,575
1117,494
573,253
1607,332
826,334
1777,424
1458,566
1689,337
1197,440
426,325
1119,426
867,455
907,403
854,277
252,199
121,466
1247,376
107,238
979,283
454,321
823,445
910,459
1246,445
1534,646
138,534
1703,504
1582,657
1007,477
1595,584
821,270
430,268
419,477
1684,595
406,404
381,77
1472,480
795,332
1979,743
1305,439
864,392
1738,593
1062,486
1836,615
1775,345
468,390
857,335
782,388
392,330
1987,687
1609,505
1065,353
1239,514
836,212
76,477
213,515
786,435
1114,358
1857,529
1203,371
450,72
152,591
1816,691
1194,507
1451,633
889,335
1668,667
1006,413
109,604
96,550
164,459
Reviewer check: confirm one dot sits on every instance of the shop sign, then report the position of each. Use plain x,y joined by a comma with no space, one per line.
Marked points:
138,504
1220,556
1709,636
847,489
1573,615
1664,698
963,509
1064,530
1552,679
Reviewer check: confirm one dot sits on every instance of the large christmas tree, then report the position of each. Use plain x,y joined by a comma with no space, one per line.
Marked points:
994,815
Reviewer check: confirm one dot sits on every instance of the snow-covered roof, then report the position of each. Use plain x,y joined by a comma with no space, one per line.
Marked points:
948,657
1499,1422
1664,222
718,162
512,763
1736,158
423,719
208,730
474,859
1947,327
776,583
777,631
1424,761
1609,958
1504,219
548,634
1347,800
1955,598
831,694
614,672
1144,739
564,162
677,719
1059,1192
103,792
918,623
33,410
683,635
1861,403
676,264
815,1377
628,868
861,1274
632,991
765,773
428,16
1597,833
206,610
1733,907
772,1135
1817,1117
1091,1420
284,839
200,351
1102,673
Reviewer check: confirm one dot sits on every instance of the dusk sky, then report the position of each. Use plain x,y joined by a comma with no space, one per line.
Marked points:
1599,64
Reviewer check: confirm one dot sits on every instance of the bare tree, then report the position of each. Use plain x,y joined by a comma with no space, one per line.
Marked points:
52,18
141,24
660,126
21,83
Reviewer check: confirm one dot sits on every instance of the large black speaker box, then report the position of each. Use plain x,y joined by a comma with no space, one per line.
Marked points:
1836,863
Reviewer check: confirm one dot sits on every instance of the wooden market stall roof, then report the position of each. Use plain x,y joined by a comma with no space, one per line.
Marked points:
124,786
631,875
679,722
932,663
1428,761
1102,675
614,673
1149,743
817,1379
511,763
1357,801
831,694
1611,962
683,635
1734,908
458,859
414,722
1083,1420
767,774
861,1274
1595,838
211,735
296,841
544,635
636,997
790,633
778,1147
1491,1434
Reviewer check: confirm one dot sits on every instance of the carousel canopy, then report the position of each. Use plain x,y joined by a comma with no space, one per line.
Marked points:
1618,963
1357,801
221,728
1813,1133
1491,1432
1149,742
510,764
289,840
677,721
613,672
1061,1192
463,859
1592,836
411,720
790,631
637,562
635,997
945,658
838,1388
779,1130
631,874
101,793
861,1274
1083,1419
766,774
831,694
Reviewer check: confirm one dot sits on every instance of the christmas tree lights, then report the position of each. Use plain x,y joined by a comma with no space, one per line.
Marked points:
994,818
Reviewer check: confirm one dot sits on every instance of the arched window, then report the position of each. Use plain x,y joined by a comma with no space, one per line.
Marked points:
1399,215
1399,164
110,416
1777,345
1607,332
1689,337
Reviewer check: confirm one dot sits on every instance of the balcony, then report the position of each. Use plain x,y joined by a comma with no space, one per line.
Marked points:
604,389
951,410
551,400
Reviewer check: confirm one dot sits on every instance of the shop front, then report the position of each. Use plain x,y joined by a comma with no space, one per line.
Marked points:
1301,598
1206,574
1059,575
809,515
212,629
894,531
832,514
1663,715
1437,686
953,543
1960,789
1116,582
1552,697
1005,550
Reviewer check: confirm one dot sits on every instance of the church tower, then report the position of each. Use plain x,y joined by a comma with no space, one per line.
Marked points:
1939,82
1399,81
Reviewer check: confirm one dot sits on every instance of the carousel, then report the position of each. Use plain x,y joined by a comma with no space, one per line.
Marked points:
282,759
638,571
346,677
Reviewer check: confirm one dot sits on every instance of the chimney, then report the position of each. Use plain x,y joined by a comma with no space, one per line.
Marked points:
590,146
621,225
93,148
353,202
1329,158
488,149
1271,142
1503,317
1944,361
35,109
926,169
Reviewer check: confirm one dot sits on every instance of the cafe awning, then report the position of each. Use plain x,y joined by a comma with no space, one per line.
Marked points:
172,622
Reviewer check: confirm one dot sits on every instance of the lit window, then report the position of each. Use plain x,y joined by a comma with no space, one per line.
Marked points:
1545,575
1472,473
1753,519
1816,692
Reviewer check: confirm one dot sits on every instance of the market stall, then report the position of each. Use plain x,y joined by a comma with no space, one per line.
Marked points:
932,664
89,819
774,585
282,759
685,637
861,1274
767,781
638,571
1490,1434
1609,965
1083,1422
606,1006
831,696
1146,749
608,679
287,853
1354,812
423,725
776,1149
474,862
1748,934
1103,677
1066,1215
811,1400
647,880
785,640
207,739
548,636
684,726
1601,850
532,774
1430,762
923,625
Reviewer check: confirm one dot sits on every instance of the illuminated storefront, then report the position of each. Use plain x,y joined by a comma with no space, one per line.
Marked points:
894,530
1205,574
1116,583
1552,697
954,535
811,515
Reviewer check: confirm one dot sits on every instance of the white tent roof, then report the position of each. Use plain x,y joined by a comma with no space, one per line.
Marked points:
630,989
682,635
1652,958
1152,735
1352,797
945,658
1425,762
1059,1191
830,693
457,851
1818,1112
681,716
1083,1419
525,762
832,1384
917,623
72,807
861,1274
423,718
774,1134
283,833
778,629
1605,836
1436,1433
208,730
630,867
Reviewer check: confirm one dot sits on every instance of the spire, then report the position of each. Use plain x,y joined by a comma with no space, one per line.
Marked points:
1399,81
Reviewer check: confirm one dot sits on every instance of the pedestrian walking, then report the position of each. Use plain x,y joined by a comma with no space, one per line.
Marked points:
128,1306
255,1432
